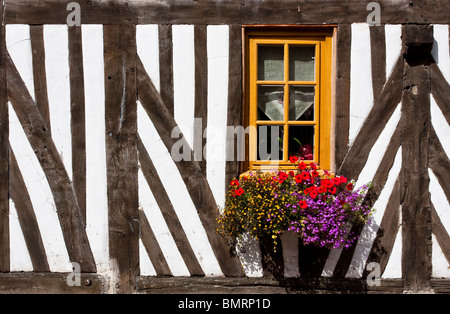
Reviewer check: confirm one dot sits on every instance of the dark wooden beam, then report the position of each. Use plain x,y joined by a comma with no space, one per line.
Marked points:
27,218
4,154
152,247
166,65
39,72
225,12
121,152
77,116
201,93
235,102
414,180
342,97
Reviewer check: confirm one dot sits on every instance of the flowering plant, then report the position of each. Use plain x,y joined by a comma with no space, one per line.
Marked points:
312,203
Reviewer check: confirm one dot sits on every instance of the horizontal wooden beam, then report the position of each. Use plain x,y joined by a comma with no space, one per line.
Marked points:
264,285
52,283
225,12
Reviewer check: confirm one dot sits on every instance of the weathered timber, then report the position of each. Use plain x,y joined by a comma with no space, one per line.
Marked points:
221,285
440,233
387,232
39,72
382,109
342,94
77,116
166,65
4,155
201,93
235,101
51,283
439,162
440,89
68,210
121,152
152,247
27,218
168,212
414,180
378,57
225,12
190,172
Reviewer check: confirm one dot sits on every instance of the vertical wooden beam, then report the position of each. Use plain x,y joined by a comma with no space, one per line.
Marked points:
201,93
166,65
78,121
4,154
342,100
121,152
378,56
39,72
235,102
414,180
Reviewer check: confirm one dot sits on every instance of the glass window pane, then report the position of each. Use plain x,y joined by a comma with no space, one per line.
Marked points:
270,142
301,103
302,63
270,63
271,102
301,142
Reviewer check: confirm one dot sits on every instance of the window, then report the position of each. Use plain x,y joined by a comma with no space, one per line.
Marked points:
288,102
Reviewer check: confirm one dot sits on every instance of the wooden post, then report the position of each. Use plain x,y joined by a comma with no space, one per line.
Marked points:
415,141
4,155
121,153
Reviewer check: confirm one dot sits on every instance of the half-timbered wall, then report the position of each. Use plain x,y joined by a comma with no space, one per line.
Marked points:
92,111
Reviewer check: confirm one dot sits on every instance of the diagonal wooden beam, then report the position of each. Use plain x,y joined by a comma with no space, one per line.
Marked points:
440,89
440,233
439,162
68,210
190,172
382,110
27,218
168,212
152,247
387,232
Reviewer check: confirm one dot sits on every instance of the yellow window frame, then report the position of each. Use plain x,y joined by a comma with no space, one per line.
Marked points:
322,40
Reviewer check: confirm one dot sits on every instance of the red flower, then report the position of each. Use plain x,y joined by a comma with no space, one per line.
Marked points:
302,166
349,186
282,175
293,159
327,183
314,173
234,183
313,193
291,173
332,190
239,191
321,189
305,175
298,178
313,165
303,204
